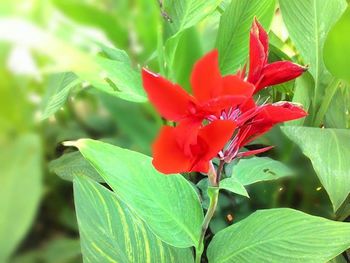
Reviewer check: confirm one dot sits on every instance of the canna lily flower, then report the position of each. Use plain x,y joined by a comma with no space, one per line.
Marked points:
169,156
261,73
254,121
213,94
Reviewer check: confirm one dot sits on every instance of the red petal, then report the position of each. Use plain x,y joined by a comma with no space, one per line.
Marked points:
215,106
233,85
258,51
253,152
216,135
279,72
171,100
168,158
201,166
206,78
281,111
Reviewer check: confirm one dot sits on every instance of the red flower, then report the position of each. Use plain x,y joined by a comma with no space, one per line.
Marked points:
253,121
213,94
261,73
226,103
170,156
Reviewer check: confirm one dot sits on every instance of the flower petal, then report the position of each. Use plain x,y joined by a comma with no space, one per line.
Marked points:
270,115
168,157
282,111
254,152
206,78
258,51
279,72
216,135
234,85
172,102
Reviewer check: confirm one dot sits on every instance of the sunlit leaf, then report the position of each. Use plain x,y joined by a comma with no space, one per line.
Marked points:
114,77
280,235
111,232
155,197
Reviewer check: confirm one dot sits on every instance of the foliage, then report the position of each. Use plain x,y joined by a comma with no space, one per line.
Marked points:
72,69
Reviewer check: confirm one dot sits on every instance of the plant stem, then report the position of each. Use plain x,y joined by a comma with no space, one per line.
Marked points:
213,193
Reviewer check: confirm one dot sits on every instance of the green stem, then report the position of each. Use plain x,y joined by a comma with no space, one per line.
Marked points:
213,193
330,91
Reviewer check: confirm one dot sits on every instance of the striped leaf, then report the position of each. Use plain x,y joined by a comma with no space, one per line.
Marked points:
308,23
280,235
168,204
232,40
111,232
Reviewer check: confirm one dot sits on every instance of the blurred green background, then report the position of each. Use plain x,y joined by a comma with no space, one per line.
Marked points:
42,104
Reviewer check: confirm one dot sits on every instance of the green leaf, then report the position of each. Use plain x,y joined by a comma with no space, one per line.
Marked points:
21,189
185,14
303,94
182,15
308,23
187,53
256,169
336,51
111,232
115,77
70,165
233,36
232,185
153,196
280,235
329,152
103,18
57,92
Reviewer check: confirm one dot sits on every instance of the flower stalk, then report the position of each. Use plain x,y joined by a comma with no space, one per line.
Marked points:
213,193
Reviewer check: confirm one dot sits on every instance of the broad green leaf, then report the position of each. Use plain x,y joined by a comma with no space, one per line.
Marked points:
308,23
256,169
168,203
182,15
185,14
329,152
280,235
111,232
57,92
114,77
234,186
70,165
21,189
336,48
233,37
